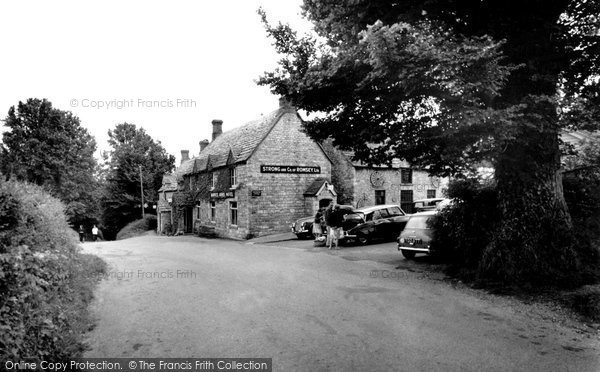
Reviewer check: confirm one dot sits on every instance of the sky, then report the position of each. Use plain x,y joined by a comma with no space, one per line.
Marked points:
169,67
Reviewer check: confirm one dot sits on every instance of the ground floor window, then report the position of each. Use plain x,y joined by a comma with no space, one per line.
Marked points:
233,208
431,194
379,197
406,199
197,213
213,210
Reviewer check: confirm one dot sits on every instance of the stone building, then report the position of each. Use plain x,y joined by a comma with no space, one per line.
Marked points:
359,184
253,180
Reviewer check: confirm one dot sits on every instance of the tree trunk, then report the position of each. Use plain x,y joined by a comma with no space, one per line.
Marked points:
533,242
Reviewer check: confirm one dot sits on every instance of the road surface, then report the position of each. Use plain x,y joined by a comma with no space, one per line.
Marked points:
313,310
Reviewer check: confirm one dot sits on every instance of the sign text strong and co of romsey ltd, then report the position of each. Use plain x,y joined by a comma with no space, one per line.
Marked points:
289,169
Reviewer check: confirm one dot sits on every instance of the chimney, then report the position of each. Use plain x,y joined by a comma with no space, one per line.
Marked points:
217,128
185,155
203,144
286,105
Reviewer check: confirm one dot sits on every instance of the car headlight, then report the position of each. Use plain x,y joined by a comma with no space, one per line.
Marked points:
401,240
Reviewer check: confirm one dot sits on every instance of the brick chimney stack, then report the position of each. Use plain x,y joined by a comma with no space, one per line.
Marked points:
185,155
217,128
203,144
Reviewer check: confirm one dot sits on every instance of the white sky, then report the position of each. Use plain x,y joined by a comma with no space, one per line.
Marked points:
75,53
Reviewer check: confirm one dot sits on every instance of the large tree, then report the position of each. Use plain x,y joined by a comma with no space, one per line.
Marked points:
49,147
447,84
131,148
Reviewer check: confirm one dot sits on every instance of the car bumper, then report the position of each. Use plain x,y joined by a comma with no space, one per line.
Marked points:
301,232
413,248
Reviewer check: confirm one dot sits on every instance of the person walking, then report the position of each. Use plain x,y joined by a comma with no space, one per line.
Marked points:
94,233
81,233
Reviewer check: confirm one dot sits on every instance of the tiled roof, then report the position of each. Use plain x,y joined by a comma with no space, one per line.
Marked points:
315,186
169,182
241,142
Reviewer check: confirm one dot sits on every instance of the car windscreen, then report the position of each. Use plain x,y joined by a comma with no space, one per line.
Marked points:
418,222
395,211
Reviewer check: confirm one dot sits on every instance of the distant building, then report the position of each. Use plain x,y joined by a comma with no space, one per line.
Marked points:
360,185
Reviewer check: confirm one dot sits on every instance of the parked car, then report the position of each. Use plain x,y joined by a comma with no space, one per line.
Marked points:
430,204
303,227
417,235
379,222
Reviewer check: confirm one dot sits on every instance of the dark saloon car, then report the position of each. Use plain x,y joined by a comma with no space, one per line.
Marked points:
379,222
303,227
416,236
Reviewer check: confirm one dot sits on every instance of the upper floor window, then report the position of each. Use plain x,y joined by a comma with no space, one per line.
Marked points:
232,176
405,175
213,182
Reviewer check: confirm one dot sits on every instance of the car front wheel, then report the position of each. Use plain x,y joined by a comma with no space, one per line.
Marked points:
409,255
362,239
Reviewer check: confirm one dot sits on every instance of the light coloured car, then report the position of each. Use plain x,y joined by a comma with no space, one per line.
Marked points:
417,235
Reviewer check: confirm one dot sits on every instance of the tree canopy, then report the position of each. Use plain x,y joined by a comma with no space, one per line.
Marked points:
447,84
49,147
131,148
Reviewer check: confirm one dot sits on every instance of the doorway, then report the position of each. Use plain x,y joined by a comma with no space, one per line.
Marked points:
188,219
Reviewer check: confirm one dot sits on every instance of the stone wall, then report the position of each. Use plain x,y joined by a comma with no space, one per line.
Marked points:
392,185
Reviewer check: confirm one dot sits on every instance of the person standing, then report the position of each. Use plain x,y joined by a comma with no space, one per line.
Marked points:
81,233
94,233
328,222
337,217
317,230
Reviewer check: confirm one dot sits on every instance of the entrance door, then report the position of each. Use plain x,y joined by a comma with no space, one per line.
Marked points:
188,219
324,203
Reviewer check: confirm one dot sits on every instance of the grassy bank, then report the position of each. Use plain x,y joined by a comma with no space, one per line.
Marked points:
46,284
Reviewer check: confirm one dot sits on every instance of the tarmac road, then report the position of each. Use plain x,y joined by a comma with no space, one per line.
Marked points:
311,309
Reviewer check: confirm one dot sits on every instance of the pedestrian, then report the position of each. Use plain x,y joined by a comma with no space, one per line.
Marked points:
94,233
81,233
317,230
336,219
329,214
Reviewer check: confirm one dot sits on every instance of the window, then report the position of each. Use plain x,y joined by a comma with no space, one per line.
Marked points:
406,199
405,175
197,213
232,176
233,208
380,214
213,210
379,197
191,183
213,183
431,194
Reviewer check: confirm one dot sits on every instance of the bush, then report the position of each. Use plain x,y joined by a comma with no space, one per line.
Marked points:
45,283
463,229
138,227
